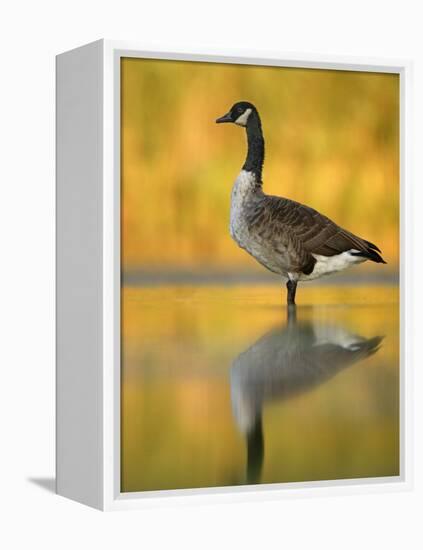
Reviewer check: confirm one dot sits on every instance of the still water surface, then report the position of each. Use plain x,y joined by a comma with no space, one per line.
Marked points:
220,387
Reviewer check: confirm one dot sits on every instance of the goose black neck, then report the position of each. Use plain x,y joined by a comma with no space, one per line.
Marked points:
255,451
255,155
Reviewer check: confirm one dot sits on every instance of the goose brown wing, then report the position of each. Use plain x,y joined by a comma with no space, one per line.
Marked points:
316,232
275,220
325,237
268,218
328,239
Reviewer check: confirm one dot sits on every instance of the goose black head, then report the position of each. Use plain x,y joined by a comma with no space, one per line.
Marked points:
238,113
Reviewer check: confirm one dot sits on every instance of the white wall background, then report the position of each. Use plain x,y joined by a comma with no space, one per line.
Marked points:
32,32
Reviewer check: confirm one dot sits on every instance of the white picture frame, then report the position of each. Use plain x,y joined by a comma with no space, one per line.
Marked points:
88,278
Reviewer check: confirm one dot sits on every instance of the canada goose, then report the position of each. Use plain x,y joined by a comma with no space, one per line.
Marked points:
287,237
284,363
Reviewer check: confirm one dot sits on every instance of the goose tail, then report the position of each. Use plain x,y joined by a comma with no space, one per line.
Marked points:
371,253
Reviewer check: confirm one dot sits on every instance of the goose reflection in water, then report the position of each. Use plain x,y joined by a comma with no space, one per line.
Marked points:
285,362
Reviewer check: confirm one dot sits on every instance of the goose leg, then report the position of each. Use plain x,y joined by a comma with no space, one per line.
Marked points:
292,289
291,318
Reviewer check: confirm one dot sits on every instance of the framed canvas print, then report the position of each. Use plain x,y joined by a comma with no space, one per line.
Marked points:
232,275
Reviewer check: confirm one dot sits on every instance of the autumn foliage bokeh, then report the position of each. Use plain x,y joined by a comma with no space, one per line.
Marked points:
332,141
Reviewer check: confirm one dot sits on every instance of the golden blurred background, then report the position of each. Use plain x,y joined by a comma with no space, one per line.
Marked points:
332,142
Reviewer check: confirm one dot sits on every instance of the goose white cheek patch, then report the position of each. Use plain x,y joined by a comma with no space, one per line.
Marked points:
242,119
